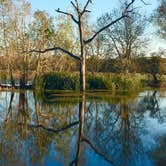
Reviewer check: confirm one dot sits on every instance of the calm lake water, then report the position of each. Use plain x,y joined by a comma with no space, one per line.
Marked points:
101,129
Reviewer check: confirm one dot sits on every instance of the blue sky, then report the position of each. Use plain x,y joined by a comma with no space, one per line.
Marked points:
98,7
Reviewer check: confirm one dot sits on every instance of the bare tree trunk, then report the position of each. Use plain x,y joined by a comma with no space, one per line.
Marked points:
22,80
81,127
11,77
83,56
36,70
82,75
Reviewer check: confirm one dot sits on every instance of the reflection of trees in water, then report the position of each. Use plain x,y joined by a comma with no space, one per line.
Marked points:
23,109
58,117
115,130
55,113
9,110
80,149
13,134
111,130
25,138
150,104
160,153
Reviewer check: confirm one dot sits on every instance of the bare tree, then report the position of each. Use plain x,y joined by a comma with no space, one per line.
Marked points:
14,20
126,38
161,18
79,20
5,8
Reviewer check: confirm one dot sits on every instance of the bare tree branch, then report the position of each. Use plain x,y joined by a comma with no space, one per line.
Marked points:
54,49
116,47
96,150
127,6
76,6
10,106
124,14
102,29
87,11
50,129
85,7
145,2
69,14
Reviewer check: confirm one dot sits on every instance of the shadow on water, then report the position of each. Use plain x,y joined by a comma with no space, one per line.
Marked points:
89,129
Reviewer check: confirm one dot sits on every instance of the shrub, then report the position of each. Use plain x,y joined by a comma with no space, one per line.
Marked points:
70,81
59,81
99,81
127,82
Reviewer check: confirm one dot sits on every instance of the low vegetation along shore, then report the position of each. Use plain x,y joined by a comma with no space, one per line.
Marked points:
99,81
94,81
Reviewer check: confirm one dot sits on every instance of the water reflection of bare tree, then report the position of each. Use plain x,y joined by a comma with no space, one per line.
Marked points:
12,133
9,112
35,139
150,103
82,137
160,152
128,134
110,129
18,111
116,131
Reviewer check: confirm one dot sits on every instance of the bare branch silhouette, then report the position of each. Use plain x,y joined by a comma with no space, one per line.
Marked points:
124,14
69,14
76,6
50,129
96,150
10,107
54,49
145,2
85,7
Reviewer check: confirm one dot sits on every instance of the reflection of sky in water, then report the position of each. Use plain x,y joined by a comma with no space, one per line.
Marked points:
163,103
154,128
94,159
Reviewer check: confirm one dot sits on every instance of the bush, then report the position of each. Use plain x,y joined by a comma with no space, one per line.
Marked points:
127,82
121,82
59,81
99,81
70,81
